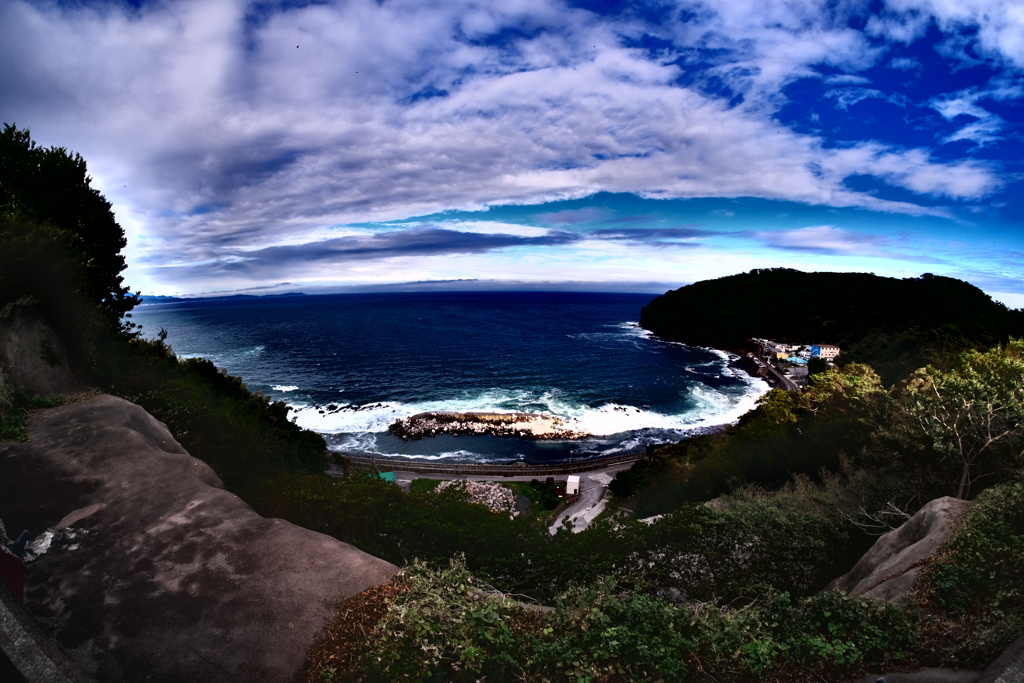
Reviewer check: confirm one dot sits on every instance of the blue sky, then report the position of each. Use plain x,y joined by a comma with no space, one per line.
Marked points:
263,146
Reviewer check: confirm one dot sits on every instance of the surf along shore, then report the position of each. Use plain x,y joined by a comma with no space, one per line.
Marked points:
523,425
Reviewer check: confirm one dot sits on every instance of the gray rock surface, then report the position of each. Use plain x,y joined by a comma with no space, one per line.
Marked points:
927,675
33,356
153,571
890,568
1008,667
32,657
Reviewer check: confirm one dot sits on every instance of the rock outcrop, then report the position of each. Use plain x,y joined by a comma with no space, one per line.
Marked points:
149,569
33,356
495,496
890,568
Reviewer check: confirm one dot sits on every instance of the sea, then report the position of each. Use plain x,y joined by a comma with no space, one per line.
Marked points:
349,365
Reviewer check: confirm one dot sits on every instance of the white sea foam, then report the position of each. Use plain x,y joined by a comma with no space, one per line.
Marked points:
367,444
708,407
288,387
225,358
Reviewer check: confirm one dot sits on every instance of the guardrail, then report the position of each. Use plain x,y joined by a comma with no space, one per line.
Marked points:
515,469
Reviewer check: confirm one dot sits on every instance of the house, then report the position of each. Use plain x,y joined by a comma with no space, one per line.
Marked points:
572,485
826,351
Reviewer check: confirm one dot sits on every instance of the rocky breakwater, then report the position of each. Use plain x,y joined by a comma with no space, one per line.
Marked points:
523,425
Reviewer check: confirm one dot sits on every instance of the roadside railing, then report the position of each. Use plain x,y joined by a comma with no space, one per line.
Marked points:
514,469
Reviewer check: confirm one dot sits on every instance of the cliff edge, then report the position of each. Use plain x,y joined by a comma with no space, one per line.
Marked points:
148,569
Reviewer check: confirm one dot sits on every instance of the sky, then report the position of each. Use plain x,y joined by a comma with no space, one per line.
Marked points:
261,146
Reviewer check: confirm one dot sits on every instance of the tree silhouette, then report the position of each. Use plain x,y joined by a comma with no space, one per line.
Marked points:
51,186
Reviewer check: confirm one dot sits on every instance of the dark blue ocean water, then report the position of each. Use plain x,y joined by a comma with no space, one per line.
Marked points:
350,364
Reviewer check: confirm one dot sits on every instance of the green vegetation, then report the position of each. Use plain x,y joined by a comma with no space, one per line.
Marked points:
542,497
424,485
15,405
756,521
51,208
60,256
977,582
447,625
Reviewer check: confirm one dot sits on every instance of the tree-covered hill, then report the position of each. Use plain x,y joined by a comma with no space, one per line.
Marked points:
894,325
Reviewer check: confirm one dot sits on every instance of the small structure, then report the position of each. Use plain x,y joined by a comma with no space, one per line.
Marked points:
572,485
826,351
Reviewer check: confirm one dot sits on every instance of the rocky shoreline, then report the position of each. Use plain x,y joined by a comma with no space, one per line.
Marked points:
523,425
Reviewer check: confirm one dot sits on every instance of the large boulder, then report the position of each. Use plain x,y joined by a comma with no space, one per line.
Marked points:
890,568
32,354
149,569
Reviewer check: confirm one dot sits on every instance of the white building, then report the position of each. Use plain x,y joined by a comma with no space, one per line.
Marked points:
826,351
572,485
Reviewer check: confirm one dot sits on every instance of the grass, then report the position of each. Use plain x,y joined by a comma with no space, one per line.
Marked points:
540,499
424,485
14,420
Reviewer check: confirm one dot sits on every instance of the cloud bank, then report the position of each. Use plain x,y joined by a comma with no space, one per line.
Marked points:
233,135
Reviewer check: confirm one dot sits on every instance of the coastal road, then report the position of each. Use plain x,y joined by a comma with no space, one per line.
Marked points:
785,382
403,478
589,504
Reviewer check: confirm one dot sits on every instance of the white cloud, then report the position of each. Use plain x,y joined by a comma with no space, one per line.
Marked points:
823,239
212,132
905,64
985,129
999,24
847,97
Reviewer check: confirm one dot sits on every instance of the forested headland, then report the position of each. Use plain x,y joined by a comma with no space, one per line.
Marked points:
894,325
731,590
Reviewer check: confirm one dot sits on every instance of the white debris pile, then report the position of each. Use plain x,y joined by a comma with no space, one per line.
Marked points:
495,496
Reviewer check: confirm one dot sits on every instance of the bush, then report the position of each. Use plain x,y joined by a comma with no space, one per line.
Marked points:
976,587
245,437
786,434
6,395
14,423
447,625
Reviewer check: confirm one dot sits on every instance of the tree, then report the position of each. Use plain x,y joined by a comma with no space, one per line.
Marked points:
971,418
51,187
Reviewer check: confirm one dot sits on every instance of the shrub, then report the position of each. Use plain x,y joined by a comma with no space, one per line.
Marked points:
6,395
976,587
450,626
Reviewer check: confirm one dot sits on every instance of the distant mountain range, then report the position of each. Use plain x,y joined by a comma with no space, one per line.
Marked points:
160,299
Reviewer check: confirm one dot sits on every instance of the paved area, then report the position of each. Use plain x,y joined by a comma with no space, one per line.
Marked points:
403,478
591,502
